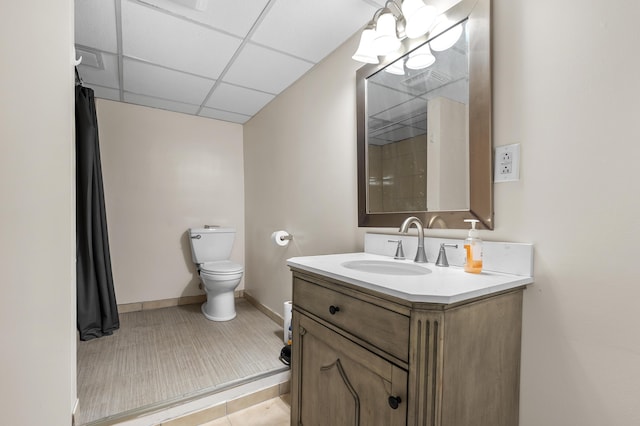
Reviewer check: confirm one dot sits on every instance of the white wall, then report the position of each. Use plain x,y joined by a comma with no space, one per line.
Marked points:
566,88
164,173
37,214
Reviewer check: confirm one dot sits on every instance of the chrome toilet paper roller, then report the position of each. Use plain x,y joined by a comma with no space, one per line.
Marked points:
281,238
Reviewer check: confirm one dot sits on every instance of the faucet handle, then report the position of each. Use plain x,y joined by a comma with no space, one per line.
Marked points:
442,255
399,252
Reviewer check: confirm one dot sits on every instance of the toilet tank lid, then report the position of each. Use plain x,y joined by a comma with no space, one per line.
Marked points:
219,230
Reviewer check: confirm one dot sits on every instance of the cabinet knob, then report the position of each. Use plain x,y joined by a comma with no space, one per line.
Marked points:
334,309
394,401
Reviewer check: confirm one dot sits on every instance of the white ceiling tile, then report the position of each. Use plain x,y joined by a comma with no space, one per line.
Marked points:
160,103
265,70
238,99
404,111
312,29
95,24
224,115
384,97
172,52
157,37
105,92
399,134
151,80
235,16
107,77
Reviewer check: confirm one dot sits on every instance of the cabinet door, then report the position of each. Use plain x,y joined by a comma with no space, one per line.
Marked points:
341,383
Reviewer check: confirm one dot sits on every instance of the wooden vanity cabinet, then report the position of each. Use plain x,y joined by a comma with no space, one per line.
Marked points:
360,357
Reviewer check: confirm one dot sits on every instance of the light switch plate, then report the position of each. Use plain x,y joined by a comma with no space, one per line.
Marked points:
507,163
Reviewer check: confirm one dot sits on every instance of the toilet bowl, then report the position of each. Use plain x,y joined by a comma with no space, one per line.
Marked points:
220,280
210,250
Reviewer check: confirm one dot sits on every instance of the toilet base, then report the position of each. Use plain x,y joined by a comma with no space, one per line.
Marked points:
221,307
221,300
216,318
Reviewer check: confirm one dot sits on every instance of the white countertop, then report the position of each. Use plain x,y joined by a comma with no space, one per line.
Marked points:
442,285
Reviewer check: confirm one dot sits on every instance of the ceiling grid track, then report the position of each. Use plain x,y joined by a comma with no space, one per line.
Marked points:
236,54
185,18
221,31
222,41
118,6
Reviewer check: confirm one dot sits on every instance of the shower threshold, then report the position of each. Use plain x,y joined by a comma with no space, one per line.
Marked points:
276,381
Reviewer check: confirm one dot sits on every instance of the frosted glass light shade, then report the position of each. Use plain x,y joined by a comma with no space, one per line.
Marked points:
420,58
386,40
419,17
446,39
365,52
396,68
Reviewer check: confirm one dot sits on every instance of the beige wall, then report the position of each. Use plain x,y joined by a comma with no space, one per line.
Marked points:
37,215
565,87
300,157
447,163
166,172
576,115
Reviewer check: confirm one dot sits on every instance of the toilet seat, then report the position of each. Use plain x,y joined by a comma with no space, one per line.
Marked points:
222,267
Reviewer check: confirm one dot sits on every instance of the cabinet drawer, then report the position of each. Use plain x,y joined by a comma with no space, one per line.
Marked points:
385,329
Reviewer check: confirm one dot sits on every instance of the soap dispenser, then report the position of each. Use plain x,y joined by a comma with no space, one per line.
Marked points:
473,247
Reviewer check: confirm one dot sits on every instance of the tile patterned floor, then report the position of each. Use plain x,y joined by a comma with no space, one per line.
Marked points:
273,412
169,353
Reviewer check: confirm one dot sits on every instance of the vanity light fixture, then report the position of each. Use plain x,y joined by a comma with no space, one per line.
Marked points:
386,38
396,68
390,25
448,37
365,52
420,58
419,17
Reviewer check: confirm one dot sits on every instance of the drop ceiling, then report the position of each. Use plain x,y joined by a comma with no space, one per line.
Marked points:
218,59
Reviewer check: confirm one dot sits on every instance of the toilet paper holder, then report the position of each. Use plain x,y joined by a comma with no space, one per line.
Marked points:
281,238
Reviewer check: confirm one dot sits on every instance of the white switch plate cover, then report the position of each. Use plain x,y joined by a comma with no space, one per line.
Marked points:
507,163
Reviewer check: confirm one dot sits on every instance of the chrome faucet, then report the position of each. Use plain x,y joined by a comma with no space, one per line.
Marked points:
399,252
421,257
442,255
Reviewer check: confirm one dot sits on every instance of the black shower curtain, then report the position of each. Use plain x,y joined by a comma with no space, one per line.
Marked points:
97,312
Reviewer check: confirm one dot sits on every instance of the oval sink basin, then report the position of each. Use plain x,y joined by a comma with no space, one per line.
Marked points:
386,267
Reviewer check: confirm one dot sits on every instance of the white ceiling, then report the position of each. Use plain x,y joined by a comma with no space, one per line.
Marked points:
226,61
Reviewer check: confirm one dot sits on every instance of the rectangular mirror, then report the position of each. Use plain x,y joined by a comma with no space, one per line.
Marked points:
424,126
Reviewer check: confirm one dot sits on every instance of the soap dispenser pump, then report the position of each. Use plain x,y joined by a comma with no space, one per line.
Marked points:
473,247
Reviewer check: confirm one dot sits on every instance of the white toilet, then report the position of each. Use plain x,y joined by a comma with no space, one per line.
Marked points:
210,250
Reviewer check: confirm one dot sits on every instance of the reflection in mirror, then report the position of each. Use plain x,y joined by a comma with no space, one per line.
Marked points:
417,115
424,126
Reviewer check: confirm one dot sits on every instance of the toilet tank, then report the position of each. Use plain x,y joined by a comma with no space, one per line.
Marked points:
211,244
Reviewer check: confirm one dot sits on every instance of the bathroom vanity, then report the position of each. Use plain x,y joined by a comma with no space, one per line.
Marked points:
378,342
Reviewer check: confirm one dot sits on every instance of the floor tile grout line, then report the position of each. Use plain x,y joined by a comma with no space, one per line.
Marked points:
133,362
